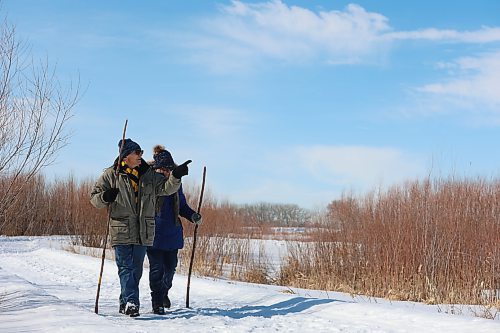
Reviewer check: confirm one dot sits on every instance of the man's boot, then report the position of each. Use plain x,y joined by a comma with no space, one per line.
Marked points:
132,310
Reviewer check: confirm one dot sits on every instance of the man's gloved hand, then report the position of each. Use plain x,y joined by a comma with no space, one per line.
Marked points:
196,218
181,170
110,195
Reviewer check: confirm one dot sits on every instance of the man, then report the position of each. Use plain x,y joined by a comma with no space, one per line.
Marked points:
130,193
169,238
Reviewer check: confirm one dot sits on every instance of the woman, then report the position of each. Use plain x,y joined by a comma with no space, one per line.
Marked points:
169,237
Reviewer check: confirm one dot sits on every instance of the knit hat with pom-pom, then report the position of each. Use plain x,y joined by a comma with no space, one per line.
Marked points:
162,158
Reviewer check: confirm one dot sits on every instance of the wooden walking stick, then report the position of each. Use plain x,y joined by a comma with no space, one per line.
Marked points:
96,309
194,236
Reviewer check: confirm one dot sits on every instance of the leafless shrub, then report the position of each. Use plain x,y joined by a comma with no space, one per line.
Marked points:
433,241
34,110
58,208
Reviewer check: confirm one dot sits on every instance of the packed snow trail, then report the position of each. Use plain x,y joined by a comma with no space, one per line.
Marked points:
43,289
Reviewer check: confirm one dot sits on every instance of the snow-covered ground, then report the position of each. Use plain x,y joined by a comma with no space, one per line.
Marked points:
46,289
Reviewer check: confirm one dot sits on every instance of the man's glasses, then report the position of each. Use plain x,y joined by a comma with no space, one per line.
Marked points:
139,152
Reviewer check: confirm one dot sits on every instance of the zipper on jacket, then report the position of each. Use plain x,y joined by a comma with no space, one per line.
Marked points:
139,201
126,180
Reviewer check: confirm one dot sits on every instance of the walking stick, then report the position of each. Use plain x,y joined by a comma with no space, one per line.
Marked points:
96,309
194,237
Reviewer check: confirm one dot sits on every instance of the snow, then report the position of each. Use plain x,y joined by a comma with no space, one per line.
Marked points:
44,288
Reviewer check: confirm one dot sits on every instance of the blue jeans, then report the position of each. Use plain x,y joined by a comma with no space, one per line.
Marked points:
129,259
162,266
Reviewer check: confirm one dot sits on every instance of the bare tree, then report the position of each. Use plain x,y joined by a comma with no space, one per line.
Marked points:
286,215
34,110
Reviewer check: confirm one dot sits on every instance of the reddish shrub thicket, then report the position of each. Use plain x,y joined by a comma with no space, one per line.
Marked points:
58,208
435,241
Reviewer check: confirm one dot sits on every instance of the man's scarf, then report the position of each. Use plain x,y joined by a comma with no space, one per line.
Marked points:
133,175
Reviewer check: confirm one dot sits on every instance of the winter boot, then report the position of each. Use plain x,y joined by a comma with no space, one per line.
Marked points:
122,308
166,302
132,310
159,310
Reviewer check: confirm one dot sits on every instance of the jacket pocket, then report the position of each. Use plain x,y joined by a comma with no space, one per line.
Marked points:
119,230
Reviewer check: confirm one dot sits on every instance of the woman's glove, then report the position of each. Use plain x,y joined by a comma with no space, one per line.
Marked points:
196,219
181,170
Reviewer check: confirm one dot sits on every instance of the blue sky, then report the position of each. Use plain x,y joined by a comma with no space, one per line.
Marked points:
283,101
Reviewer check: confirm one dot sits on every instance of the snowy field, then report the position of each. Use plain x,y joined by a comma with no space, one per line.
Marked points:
46,289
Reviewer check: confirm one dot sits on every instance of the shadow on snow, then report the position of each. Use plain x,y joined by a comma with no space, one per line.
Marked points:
293,305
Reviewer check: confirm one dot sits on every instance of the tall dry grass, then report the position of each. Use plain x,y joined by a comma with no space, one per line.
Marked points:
224,245
61,207
433,241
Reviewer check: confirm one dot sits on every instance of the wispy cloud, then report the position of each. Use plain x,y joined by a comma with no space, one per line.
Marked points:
212,122
473,78
243,33
362,166
319,173
471,86
483,35
291,34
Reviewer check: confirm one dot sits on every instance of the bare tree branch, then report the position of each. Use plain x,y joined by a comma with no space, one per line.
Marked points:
34,111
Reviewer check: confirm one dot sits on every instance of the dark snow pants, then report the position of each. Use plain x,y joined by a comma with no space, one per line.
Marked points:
162,266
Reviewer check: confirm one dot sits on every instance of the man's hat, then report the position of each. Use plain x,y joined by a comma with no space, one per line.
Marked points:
129,147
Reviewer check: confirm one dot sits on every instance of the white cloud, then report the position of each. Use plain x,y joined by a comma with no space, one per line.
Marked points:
291,34
473,84
211,122
361,166
483,35
244,33
318,174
